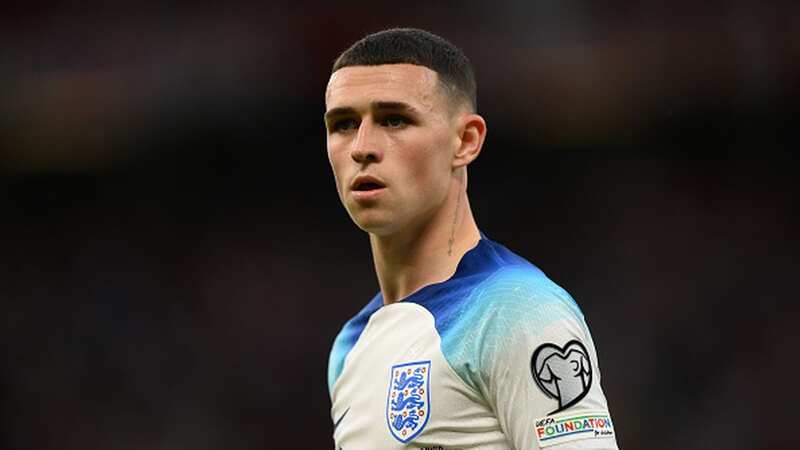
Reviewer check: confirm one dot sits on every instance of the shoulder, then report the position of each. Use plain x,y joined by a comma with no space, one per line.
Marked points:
514,298
499,289
508,312
515,283
522,292
347,338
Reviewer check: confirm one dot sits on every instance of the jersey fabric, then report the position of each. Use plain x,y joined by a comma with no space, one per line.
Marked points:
497,357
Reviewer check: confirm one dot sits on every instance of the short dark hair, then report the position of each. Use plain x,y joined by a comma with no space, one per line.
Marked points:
419,47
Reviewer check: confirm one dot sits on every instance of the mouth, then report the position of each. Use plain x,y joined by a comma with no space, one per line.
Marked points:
366,184
366,189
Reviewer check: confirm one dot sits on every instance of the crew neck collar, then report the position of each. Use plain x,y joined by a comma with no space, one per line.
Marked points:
472,262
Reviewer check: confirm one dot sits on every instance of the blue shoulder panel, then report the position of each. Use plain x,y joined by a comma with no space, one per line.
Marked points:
347,338
492,291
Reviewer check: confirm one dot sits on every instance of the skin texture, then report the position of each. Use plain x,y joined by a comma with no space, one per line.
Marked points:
395,123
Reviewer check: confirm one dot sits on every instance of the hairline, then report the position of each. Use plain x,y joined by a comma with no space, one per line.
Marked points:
455,98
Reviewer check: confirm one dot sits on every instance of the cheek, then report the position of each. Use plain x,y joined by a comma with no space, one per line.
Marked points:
430,168
335,160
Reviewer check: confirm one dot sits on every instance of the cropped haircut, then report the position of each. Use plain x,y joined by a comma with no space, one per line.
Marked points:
421,48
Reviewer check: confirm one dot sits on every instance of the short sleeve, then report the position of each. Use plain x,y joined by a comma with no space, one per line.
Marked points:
537,365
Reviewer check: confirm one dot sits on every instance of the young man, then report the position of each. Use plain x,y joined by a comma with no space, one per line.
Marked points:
467,345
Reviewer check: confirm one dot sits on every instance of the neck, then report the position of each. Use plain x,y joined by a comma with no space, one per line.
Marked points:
426,254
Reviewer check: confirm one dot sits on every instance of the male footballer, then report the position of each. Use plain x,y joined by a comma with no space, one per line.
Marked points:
467,345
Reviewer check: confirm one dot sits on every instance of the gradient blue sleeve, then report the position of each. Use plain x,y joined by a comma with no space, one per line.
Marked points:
491,346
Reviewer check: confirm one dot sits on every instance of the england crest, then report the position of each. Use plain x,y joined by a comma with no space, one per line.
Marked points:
409,399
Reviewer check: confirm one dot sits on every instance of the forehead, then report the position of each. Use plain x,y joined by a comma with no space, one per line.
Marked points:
357,86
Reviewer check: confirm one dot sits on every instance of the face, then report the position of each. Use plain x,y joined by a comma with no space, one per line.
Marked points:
391,141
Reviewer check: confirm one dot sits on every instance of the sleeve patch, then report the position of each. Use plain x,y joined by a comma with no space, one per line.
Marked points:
552,430
562,373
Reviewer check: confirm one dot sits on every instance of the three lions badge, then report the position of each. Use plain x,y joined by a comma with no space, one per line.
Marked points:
409,398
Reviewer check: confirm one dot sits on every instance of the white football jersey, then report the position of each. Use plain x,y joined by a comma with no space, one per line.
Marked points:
497,357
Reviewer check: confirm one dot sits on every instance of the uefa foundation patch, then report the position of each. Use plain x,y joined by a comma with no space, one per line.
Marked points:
562,428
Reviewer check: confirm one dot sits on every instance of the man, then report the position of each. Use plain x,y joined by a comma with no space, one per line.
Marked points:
467,345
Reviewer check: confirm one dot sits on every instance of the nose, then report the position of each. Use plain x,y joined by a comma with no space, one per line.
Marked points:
366,147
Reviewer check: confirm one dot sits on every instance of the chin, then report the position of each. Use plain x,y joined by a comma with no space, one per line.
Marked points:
378,228
374,223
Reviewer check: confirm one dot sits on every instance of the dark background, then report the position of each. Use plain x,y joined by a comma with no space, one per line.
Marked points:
175,263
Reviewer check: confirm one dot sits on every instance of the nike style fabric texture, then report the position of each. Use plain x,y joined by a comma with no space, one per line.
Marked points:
497,357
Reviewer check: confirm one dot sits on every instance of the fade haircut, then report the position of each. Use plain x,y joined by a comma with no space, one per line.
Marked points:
421,48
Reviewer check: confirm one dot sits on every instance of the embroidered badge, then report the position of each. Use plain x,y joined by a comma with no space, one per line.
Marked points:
409,398
572,427
562,373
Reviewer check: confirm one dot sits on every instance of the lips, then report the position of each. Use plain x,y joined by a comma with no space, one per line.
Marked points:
366,189
366,183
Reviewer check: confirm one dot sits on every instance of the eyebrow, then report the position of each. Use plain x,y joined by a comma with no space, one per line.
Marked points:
374,106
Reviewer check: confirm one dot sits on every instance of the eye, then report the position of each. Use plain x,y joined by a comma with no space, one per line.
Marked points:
344,125
395,121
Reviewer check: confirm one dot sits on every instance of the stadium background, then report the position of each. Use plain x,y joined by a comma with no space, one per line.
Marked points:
174,261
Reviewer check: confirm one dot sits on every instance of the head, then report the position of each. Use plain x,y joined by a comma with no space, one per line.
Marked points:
402,127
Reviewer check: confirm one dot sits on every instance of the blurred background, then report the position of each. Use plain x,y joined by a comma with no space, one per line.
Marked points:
175,263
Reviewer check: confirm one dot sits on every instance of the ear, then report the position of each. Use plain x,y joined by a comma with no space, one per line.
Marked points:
471,134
